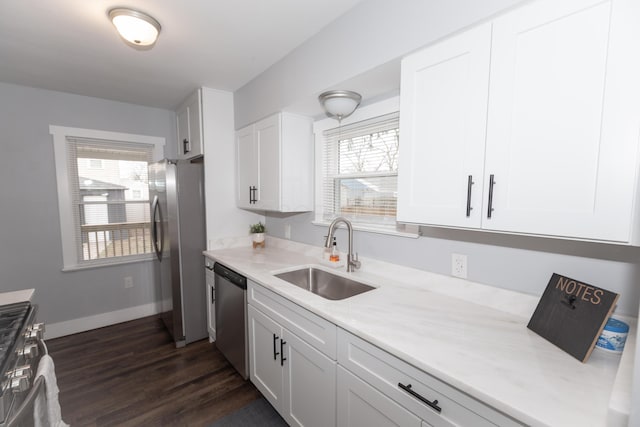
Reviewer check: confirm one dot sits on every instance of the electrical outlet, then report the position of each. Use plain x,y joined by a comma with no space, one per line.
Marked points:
459,265
287,231
128,282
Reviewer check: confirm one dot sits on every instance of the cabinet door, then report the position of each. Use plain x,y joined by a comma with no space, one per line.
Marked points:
267,139
443,128
360,405
189,123
195,126
562,139
246,168
265,368
310,384
211,300
182,124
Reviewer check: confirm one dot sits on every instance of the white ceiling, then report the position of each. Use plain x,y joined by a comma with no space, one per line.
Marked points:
71,46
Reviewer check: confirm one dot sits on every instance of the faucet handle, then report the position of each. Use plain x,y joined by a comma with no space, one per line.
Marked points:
355,262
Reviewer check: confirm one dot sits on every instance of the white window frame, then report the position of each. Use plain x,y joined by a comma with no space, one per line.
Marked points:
380,108
70,256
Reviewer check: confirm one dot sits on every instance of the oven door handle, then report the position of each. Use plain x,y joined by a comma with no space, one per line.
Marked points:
25,410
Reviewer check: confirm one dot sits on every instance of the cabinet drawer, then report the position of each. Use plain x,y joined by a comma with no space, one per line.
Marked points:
313,329
385,372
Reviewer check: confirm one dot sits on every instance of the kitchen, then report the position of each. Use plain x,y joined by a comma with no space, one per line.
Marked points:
68,304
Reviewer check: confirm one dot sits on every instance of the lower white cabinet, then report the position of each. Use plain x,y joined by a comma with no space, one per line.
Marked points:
297,379
387,382
361,405
316,374
210,283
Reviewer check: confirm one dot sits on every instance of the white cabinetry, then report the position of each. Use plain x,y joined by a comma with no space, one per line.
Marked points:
274,159
290,352
210,283
360,405
561,117
189,127
443,128
376,388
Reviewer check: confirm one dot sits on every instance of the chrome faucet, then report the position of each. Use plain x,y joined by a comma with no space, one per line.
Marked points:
352,260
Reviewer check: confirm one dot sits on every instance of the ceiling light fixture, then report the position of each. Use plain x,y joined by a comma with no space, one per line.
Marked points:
339,103
137,28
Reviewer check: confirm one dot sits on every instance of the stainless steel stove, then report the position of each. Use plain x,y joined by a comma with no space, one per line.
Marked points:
20,346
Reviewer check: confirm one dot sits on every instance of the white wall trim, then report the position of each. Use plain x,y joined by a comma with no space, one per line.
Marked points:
83,324
60,134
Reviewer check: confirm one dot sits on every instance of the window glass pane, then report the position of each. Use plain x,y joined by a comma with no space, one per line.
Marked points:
374,152
112,200
360,171
367,199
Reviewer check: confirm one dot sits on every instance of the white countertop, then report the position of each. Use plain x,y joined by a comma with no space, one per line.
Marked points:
472,336
16,296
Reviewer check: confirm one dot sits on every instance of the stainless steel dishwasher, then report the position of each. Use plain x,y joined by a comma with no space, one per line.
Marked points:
231,317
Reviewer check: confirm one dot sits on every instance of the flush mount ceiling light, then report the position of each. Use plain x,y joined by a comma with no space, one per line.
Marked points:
137,28
339,103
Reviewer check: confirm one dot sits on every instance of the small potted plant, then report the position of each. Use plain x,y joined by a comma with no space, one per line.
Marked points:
257,233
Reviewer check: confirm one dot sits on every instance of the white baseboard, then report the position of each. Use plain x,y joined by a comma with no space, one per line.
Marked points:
83,324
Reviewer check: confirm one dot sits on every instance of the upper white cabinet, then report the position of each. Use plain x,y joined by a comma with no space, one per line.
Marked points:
554,88
443,127
189,126
274,160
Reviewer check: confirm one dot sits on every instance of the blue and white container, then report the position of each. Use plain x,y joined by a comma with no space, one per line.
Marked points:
613,336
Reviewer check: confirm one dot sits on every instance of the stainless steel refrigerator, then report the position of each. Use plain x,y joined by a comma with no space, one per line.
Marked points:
176,192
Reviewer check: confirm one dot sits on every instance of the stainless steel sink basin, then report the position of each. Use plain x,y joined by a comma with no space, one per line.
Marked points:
323,283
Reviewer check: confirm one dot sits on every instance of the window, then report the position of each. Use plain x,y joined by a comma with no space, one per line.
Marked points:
360,171
103,195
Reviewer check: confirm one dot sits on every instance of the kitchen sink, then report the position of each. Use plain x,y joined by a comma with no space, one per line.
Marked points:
323,283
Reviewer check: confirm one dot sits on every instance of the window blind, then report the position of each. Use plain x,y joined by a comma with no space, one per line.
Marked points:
109,188
360,171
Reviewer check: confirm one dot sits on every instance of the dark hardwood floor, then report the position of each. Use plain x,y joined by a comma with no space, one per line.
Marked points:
131,374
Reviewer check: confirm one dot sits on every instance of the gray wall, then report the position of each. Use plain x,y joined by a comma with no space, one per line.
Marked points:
372,34
521,263
31,251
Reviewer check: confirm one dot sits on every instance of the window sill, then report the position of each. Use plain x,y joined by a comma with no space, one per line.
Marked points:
99,264
374,229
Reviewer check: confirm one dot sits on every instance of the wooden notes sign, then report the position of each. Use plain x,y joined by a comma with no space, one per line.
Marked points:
572,314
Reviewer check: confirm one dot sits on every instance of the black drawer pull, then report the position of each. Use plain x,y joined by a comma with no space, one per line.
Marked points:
282,358
275,353
492,182
433,405
469,184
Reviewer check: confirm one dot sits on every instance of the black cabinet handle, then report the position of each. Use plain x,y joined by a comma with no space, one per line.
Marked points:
275,353
213,296
186,146
491,184
433,405
469,184
282,358
252,194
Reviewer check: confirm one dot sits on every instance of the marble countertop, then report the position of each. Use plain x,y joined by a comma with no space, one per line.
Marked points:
15,296
472,336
